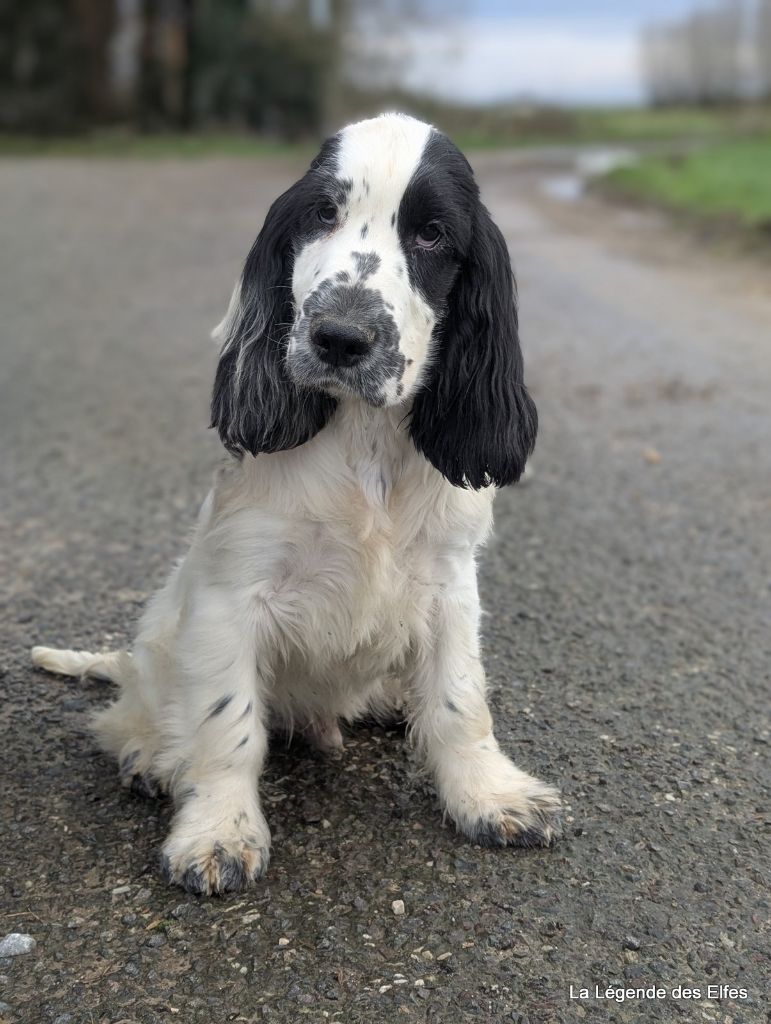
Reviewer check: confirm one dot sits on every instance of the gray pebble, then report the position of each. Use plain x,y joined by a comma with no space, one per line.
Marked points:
16,943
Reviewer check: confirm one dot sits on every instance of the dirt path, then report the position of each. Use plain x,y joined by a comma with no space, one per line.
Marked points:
629,592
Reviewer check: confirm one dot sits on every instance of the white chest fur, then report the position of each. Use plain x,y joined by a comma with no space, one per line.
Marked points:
338,548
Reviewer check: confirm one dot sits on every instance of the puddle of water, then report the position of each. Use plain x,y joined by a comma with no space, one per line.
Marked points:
566,187
569,186
599,161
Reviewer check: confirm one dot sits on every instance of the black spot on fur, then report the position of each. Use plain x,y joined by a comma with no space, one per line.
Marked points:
144,786
342,276
232,873
193,882
367,264
393,220
164,865
364,230
247,711
219,707
243,742
451,706
127,763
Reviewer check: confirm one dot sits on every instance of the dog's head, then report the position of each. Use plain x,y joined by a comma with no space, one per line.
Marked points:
379,276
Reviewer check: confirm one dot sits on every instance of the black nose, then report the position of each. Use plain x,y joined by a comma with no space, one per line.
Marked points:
339,345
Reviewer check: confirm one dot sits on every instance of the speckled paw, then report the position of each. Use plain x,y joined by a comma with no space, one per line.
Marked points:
135,776
144,786
529,820
540,829
225,868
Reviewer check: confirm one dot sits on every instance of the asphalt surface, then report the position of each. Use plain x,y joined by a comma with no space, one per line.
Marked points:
629,597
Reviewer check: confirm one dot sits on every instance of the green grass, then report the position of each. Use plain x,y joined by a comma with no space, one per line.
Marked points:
729,180
472,128
500,126
642,124
125,145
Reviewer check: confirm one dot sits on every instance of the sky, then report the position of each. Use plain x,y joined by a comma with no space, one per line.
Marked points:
584,52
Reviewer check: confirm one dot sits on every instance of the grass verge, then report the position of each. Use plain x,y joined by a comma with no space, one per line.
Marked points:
125,145
729,181
472,128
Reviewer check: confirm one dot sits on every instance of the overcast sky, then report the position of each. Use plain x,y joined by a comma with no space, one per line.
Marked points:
580,52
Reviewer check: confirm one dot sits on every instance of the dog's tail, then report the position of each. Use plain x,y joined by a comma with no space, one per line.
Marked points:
111,666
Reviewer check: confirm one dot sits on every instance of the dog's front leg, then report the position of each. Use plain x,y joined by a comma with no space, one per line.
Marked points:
217,740
490,799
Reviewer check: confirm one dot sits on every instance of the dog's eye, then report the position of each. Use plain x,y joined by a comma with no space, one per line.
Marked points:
328,214
429,235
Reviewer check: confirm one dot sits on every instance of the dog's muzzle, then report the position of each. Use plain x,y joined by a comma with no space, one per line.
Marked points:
339,344
345,337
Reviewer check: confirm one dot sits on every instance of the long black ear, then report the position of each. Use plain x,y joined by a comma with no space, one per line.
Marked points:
255,405
473,418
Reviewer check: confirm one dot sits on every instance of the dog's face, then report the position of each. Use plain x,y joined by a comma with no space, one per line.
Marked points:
377,250
379,277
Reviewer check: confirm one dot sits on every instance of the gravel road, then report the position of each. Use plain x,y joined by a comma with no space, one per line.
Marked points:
629,597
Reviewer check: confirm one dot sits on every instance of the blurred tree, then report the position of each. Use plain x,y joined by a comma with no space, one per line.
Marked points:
149,93
165,68
699,58
47,82
714,38
262,65
290,68
96,23
763,47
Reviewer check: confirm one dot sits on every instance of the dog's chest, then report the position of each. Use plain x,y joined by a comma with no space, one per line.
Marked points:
341,547
352,589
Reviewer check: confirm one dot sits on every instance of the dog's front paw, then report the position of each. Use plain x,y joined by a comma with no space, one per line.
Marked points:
215,863
532,824
500,805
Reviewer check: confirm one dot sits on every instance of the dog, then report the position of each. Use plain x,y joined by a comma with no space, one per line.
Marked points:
370,393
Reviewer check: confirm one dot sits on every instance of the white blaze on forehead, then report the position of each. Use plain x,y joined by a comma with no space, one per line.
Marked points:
385,152
379,158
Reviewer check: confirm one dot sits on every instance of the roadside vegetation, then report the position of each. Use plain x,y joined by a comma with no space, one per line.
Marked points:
472,128
153,146
728,182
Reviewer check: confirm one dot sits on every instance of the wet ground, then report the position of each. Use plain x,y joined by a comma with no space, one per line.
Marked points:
629,597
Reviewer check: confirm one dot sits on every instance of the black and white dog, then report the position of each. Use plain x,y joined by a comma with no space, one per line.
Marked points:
370,389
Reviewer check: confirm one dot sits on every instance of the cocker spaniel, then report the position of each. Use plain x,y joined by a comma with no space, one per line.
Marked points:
370,391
